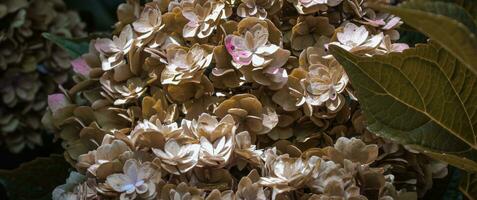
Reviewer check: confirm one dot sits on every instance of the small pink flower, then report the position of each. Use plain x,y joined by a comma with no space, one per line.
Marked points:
57,101
80,66
233,45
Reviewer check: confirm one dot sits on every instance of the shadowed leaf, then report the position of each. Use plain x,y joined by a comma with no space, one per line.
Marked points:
35,179
468,185
423,97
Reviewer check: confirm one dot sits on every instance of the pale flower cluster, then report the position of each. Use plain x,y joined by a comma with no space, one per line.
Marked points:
220,99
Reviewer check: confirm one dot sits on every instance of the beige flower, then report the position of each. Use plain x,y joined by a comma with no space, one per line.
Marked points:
249,188
178,159
202,18
112,52
180,192
224,75
256,52
127,13
216,153
136,179
284,173
249,112
186,65
387,46
246,151
311,6
150,26
217,195
357,39
123,92
251,48
354,150
324,84
319,81
76,187
209,127
332,179
153,134
106,159
310,31
258,8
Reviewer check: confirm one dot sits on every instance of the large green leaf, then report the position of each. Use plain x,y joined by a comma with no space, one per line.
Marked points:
423,97
469,5
35,180
448,24
468,185
74,47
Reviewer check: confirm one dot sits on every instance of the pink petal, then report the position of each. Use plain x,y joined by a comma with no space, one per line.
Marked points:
80,66
240,56
57,101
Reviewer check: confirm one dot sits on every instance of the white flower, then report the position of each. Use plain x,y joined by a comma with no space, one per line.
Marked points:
356,39
177,159
134,179
217,154
252,47
185,65
285,173
202,18
150,22
112,52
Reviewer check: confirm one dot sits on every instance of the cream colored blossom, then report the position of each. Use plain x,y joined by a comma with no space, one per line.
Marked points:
76,187
258,8
387,46
150,25
208,126
180,191
319,81
251,48
255,52
250,189
105,160
311,6
154,134
136,180
249,113
112,52
324,83
123,92
186,65
284,173
176,158
355,150
217,153
246,150
202,18
357,39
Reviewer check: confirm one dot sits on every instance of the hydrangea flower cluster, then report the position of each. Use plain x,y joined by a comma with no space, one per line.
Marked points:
220,99
31,66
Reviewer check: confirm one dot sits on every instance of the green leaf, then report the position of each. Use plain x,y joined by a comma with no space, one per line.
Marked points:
469,5
468,185
423,97
448,24
35,179
75,48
